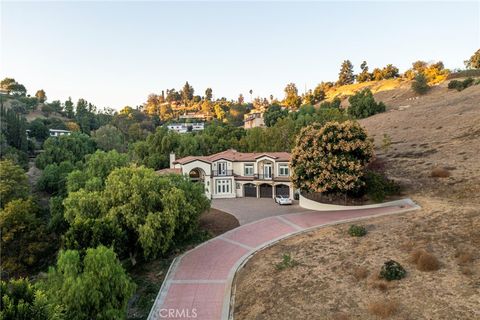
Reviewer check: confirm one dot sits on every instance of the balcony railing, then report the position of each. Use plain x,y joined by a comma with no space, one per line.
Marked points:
261,176
222,173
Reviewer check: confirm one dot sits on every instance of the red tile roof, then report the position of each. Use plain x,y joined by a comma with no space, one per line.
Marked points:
235,156
169,171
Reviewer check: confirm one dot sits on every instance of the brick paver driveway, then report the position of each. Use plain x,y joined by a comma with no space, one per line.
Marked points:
247,210
198,284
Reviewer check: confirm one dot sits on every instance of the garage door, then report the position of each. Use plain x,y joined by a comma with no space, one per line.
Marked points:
282,190
266,191
250,190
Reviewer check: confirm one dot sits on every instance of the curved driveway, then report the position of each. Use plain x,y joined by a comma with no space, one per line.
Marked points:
198,284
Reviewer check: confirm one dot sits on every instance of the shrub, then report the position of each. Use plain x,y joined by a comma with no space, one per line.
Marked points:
455,84
383,308
360,273
21,300
357,231
439,172
392,270
331,158
424,260
363,105
378,187
287,262
460,85
420,84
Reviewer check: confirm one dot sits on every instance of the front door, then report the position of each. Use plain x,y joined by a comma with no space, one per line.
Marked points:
267,171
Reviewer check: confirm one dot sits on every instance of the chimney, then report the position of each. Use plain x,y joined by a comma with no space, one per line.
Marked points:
172,159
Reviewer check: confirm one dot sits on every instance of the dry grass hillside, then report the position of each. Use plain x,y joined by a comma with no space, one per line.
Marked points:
337,275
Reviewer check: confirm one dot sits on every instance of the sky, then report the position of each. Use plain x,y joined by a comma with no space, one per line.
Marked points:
115,54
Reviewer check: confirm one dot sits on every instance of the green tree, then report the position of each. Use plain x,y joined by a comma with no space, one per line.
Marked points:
390,72
474,61
109,138
363,105
145,210
364,76
71,148
335,103
14,182
54,178
96,170
208,94
13,87
93,287
319,93
420,84
346,74
219,112
25,242
187,93
13,129
41,96
273,114
331,158
21,300
292,99
38,130
69,108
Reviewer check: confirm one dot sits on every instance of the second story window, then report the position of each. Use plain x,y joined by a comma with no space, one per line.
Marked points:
222,168
283,170
248,170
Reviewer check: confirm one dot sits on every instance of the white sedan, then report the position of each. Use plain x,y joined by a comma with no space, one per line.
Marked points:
282,200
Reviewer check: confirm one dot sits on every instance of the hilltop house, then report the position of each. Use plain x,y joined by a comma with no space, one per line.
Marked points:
232,174
186,127
253,120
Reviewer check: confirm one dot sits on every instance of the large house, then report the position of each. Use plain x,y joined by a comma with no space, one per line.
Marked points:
186,127
232,174
253,120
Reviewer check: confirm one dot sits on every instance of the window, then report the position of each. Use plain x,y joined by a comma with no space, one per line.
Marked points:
248,169
223,186
222,168
283,170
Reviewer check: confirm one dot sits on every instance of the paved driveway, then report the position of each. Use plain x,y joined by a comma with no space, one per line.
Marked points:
199,283
252,209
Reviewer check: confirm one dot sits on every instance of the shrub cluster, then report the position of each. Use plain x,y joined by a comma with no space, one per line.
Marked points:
378,187
460,85
357,231
362,105
392,270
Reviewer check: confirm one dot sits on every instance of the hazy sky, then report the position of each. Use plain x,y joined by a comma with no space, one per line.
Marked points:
115,53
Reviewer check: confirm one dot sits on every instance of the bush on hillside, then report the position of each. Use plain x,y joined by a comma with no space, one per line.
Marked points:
392,270
460,85
357,231
378,186
331,158
420,84
363,105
